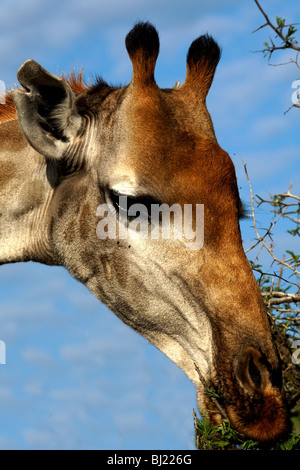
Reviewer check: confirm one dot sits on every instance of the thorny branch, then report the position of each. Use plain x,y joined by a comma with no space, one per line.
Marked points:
210,393
277,201
278,298
283,275
287,39
285,32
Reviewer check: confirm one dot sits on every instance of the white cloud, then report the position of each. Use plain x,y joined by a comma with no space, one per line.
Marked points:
35,29
267,127
246,85
35,389
7,444
37,357
75,373
6,395
263,166
40,439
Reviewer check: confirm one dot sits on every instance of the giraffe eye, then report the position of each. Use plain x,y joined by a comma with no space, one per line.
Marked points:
122,203
132,206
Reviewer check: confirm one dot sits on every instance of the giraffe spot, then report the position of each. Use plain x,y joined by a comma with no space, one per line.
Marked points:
70,232
35,194
62,208
7,172
85,222
106,262
89,260
121,272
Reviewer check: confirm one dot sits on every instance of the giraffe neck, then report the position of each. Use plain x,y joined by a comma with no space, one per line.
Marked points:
25,193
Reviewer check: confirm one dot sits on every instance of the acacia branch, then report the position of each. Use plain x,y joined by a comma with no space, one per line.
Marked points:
211,394
288,194
278,298
262,239
278,30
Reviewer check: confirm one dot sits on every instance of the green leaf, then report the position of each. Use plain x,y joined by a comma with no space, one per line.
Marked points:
222,443
280,22
248,444
294,232
295,257
291,31
291,443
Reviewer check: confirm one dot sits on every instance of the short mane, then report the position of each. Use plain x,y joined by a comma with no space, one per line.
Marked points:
76,82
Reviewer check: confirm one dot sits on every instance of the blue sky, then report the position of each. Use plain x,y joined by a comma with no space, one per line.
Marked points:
76,377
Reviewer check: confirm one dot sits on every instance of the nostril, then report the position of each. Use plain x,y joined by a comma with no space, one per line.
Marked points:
254,373
252,370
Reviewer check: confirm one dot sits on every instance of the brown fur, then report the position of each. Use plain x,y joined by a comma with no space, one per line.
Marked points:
7,109
7,172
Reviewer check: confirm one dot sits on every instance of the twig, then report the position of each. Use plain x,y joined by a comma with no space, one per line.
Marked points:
277,275
256,230
283,298
288,310
288,194
280,275
209,393
277,30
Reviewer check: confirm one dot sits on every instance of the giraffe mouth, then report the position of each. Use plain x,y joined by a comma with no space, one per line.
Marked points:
262,418
253,405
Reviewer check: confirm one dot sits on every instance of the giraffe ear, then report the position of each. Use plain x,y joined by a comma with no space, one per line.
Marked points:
46,110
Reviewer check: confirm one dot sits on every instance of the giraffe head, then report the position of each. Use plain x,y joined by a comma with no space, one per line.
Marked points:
107,157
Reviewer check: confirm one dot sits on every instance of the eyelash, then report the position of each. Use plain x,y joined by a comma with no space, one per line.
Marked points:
146,201
131,200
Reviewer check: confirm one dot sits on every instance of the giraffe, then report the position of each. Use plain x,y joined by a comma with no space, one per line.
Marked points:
68,148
